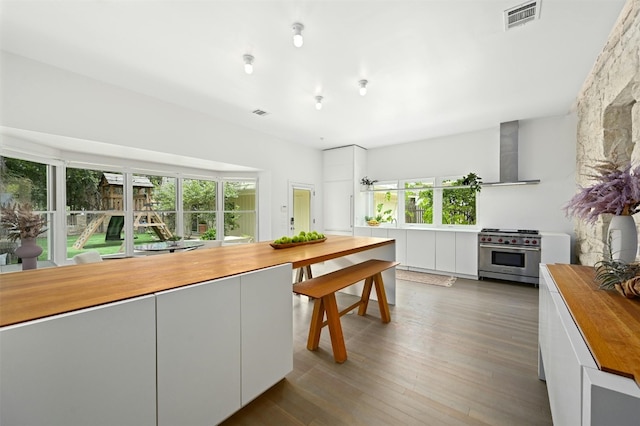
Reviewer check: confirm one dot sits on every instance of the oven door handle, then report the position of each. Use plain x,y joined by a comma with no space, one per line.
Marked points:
507,247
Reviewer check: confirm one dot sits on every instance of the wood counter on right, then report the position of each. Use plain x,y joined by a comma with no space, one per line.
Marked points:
589,349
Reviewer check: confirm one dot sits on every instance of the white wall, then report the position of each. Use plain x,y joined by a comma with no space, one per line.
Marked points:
41,98
547,149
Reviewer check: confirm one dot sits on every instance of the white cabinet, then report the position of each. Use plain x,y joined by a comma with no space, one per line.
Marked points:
361,231
338,207
400,235
555,248
199,353
445,251
579,393
267,329
221,344
343,168
90,367
421,249
467,253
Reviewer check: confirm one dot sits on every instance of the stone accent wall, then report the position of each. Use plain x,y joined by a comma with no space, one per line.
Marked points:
609,118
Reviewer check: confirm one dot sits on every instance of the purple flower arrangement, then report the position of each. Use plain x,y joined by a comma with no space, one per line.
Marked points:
616,191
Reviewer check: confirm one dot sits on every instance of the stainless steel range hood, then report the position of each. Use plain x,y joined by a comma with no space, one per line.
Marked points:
509,156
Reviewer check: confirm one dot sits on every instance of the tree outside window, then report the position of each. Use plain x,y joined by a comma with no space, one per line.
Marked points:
418,201
458,204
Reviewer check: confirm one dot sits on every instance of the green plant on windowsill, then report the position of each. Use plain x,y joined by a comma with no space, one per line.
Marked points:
473,181
381,215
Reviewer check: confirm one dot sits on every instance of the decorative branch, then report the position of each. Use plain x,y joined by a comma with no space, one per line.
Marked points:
21,222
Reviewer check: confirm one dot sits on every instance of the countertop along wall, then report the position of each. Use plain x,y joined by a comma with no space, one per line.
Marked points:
547,149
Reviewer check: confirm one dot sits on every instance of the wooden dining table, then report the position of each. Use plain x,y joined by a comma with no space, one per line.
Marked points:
33,294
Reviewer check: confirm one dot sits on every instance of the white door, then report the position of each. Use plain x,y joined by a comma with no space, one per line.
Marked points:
301,202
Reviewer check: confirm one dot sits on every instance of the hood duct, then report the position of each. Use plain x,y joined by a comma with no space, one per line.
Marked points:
509,156
509,151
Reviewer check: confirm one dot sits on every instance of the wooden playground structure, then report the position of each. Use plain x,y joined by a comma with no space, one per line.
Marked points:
112,202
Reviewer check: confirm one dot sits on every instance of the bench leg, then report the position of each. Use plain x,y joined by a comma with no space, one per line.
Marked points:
335,328
382,298
364,299
316,325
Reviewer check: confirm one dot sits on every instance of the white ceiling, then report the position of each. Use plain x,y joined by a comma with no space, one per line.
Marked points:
435,67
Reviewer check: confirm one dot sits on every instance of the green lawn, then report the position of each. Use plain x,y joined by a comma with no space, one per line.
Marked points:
95,242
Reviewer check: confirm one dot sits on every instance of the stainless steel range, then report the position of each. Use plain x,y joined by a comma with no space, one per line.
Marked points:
509,254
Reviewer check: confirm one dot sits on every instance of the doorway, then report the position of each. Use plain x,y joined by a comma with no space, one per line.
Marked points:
301,202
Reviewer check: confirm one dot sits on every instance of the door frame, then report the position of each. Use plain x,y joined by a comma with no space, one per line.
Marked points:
305,186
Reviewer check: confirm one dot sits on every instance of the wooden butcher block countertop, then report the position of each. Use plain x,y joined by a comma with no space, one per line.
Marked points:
609,323
33,294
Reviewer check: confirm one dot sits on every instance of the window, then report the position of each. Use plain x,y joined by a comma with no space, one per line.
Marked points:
458,204
424,201
199,203
418,201
154,207
23,181
96,209
385,202
240,210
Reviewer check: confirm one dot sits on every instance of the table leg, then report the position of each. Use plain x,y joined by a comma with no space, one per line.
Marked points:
315,327
335,328
385,315
364,299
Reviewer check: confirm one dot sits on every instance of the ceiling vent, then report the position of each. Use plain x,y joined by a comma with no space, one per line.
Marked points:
521,14
259,112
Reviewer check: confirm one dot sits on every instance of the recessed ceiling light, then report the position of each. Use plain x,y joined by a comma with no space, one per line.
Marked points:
319,102
248,64
363,87
297,34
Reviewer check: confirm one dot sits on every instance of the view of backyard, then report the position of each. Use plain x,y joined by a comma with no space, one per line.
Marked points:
96,200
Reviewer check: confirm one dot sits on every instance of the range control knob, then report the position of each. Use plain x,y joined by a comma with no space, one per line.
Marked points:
526,241
534,242
489,239
500,240
513,241
482,239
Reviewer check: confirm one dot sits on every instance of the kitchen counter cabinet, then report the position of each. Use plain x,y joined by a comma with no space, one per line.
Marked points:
94,366
78,343
467,254
398,234
445,252
555,248
266,329
221,344
589,350
421,249
198,353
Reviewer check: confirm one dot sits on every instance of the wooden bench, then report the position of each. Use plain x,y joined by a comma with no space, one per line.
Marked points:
323,290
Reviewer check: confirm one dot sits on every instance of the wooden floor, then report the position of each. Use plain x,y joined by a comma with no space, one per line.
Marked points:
460,355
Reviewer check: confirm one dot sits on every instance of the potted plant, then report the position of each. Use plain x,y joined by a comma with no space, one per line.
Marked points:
22,223
368,183
473,181
616,191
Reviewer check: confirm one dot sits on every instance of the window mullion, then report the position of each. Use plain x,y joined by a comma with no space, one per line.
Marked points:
128,212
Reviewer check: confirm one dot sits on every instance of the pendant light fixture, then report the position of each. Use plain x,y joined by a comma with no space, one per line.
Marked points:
248,64
363,87
297,34
319,102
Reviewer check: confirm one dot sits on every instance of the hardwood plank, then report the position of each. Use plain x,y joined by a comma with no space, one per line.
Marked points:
460,355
